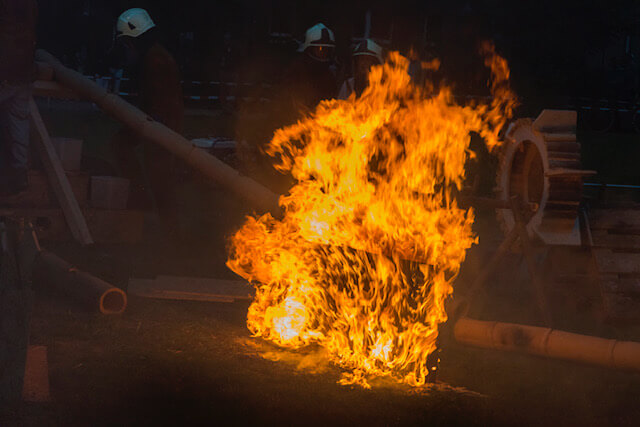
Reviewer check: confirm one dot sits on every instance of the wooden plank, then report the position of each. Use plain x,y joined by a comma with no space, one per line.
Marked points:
562,137
616,262
191,289
234,288
569,173
561,155
555,164
35,387
58,180
556,121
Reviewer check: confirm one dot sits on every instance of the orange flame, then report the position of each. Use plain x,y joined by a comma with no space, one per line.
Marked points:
375,182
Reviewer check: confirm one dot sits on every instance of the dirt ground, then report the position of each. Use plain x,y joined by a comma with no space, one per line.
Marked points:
193,363
187,363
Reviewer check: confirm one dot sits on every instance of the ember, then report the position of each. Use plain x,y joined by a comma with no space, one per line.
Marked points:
376,178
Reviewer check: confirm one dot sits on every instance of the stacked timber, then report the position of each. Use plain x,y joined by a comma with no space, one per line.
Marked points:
615,233
56,201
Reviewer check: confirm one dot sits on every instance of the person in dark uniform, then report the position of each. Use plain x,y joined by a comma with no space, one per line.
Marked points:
311,78
160,96
308,80
17,70
365,55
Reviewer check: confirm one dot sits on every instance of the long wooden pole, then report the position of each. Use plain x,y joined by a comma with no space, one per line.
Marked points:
256,194
58,180
548,342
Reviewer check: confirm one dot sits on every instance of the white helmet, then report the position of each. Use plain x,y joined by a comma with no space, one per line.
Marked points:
318,35
370,48
133,23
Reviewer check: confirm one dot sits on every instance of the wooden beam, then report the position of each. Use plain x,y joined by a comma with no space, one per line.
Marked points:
562,172
191,289
58,180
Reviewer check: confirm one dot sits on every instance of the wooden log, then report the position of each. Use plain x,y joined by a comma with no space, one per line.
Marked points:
58,180
253,192
548,342
93,293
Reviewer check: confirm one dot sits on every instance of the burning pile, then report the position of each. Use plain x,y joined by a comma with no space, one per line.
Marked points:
375,183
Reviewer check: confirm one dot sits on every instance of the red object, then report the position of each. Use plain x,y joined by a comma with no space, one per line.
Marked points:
36,375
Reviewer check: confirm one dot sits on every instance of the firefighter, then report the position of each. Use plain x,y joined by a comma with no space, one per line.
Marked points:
311,78
17,71
157,82
308,80
366,54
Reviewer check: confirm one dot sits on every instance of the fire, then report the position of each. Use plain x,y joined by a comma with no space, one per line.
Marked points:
372,236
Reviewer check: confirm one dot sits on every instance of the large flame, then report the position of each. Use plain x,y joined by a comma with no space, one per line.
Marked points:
372,237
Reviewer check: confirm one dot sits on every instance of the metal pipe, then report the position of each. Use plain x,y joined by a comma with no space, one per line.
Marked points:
549,342
51,270
258,195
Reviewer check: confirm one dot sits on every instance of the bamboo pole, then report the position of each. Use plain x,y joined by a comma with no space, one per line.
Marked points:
51,270
259,196
549,342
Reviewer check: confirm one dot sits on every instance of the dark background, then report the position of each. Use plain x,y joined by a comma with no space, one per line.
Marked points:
556,48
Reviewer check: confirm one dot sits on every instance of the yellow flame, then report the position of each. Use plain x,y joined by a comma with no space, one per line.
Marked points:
375,179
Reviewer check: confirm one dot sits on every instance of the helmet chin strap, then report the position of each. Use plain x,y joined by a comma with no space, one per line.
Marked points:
315,58
310,53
